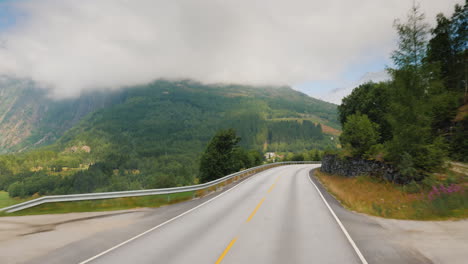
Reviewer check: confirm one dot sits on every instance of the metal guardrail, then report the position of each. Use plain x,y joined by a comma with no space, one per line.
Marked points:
110,195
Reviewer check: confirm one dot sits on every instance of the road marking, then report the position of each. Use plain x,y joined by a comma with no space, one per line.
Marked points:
226,251
167,222
351,241
271,188
255,210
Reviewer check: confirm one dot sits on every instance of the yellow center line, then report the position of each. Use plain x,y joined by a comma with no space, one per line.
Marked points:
226,251
255,210
273,186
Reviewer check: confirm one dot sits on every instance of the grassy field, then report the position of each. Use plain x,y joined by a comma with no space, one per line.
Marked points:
375,197
105,204
6,200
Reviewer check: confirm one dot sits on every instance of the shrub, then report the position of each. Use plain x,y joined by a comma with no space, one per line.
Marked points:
359,134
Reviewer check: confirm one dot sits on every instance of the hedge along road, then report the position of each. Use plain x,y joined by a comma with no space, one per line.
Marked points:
277,216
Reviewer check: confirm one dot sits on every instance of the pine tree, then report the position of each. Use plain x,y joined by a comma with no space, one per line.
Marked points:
410,107
217,160
412,39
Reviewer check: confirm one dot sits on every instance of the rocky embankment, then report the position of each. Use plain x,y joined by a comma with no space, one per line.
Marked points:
352,167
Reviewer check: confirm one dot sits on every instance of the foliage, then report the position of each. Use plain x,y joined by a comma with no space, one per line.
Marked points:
416,112
222,156
412,36
370,99
359,134
459,141
447,48
297,157
406,166
218,158
316,156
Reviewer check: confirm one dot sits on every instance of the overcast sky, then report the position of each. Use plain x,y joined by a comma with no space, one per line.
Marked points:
71,46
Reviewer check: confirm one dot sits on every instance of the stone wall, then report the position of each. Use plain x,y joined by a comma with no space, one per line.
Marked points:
352,167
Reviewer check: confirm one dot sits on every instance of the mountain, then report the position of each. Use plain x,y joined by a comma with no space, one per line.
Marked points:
146,136
29,118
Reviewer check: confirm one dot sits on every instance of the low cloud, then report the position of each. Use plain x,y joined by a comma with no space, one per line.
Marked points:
70,46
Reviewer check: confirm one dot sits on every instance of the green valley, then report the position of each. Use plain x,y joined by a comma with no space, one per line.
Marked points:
152,136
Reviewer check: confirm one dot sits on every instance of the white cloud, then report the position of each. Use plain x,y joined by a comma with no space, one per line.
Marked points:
71,46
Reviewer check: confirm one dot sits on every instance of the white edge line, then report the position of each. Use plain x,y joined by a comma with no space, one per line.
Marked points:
351,241
167,222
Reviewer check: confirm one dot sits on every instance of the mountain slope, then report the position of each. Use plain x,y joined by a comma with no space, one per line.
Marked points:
28,118
152,136
164,116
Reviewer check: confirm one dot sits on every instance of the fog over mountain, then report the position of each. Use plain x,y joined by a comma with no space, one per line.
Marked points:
71,46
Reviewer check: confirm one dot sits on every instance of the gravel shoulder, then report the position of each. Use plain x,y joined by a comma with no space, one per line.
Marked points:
26,237
384,240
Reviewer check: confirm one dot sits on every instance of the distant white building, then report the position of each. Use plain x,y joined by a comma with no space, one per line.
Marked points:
270,155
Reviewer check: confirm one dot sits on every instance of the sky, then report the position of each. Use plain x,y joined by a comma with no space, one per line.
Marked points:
318,47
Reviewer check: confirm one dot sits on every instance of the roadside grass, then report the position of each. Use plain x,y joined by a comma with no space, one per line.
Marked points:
6,200
375,197
104,204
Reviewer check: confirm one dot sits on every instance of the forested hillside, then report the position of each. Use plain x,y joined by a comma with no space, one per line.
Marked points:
152,136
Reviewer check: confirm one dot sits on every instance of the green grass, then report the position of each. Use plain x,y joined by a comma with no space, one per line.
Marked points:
6,200
104,204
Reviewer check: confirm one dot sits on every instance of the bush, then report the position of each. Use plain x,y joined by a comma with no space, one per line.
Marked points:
376,152
359,134
16,189
406,166
297,157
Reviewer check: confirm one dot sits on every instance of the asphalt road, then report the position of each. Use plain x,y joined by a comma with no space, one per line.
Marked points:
276,216
291,225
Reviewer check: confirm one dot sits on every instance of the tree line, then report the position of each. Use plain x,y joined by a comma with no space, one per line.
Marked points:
416,120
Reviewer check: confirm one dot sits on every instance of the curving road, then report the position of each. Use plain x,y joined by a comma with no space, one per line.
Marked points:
276,216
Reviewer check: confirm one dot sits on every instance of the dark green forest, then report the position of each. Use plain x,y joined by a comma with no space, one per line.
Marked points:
417,120
153,136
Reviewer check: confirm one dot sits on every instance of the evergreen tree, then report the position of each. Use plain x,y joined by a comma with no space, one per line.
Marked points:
459,33
448,48
218,159
410,107
412,39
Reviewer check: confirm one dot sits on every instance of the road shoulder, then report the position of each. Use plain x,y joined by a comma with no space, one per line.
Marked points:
402,241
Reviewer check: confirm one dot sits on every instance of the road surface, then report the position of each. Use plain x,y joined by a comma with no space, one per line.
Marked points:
289,226
276,216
